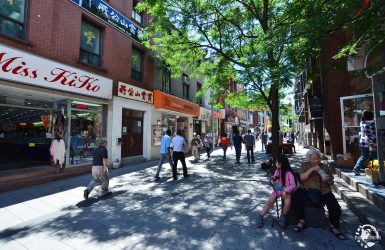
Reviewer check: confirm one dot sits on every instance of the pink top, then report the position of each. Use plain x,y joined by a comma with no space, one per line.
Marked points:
290,183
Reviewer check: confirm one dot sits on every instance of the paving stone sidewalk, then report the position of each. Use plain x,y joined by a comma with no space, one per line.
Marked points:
215,208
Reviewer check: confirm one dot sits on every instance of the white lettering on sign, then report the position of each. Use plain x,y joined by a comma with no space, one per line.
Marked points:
34,70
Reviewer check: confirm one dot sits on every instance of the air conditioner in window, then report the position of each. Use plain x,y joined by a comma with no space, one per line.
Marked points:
357,61
186,79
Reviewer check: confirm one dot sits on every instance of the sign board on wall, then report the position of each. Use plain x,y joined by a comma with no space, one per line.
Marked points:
138,94
111,16
27,68
173,103
205,114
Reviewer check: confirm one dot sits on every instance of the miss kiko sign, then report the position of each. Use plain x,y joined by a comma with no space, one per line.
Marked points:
33,70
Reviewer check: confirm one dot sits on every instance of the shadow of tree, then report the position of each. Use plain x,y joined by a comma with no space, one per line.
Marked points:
215,208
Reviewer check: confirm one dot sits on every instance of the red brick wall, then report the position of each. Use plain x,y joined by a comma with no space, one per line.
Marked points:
336,83
53,31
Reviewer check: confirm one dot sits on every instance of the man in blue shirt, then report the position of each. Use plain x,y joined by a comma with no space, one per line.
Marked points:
164,152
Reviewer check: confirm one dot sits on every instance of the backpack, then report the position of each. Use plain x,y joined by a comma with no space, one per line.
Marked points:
267,164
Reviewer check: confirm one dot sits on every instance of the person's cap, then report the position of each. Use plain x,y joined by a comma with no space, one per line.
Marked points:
194,133
102,141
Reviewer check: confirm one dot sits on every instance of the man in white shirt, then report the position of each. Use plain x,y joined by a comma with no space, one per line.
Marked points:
179,144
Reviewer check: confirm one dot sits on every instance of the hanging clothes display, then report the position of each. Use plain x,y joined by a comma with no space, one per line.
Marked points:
57,148
58,151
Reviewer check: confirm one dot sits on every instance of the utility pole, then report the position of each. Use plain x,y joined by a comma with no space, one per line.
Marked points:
212,124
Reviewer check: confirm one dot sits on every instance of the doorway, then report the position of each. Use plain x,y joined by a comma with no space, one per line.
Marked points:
132,132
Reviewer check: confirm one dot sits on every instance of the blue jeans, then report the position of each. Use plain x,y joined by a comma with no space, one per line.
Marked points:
364,156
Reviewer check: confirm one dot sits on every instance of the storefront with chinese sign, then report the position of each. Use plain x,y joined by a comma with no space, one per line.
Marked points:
43,102
175,113
131,123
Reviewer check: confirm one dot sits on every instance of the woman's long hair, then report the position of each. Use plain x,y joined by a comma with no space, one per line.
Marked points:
285,166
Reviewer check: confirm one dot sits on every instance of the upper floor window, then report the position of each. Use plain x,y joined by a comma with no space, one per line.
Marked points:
12,18
186,90
166,81
185,78
137,65
90,44
136,15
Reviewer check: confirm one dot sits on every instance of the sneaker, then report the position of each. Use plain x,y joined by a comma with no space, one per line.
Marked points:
282,221
186,175
260,221
356,172
157,178
86,193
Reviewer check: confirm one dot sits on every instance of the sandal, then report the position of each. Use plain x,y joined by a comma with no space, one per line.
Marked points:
282,221
339,235
260,221
300,226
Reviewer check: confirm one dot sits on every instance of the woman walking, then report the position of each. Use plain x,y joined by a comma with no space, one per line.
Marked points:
368,136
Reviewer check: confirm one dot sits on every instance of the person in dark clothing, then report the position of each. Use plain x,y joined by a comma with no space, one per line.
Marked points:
250,144
179,144
264,138
99,170
237,140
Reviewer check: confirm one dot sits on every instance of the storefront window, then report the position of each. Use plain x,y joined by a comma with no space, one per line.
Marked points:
86,129
352,109
25,132
169,121
182,124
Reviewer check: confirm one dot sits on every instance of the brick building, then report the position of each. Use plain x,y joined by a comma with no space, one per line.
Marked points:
330,101
65,66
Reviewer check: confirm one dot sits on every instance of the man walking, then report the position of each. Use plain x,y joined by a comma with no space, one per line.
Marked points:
264,140
164,152
99,170
237,139
250,144
195,143
179,144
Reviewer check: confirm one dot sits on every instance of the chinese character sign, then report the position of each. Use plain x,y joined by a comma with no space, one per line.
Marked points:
131,92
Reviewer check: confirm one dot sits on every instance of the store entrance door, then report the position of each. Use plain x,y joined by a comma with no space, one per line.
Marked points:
132,132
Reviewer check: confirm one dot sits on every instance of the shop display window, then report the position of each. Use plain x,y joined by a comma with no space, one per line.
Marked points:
86,129
352,110
25,132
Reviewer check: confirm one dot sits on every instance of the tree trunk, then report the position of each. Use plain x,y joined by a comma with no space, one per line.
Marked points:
275,120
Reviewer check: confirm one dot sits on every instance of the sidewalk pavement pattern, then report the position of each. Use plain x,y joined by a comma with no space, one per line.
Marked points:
215,208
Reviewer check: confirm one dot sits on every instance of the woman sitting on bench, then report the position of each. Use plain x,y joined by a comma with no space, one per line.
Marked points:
317,179
284,185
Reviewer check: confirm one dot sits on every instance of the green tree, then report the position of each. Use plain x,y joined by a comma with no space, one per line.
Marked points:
260,44
253,42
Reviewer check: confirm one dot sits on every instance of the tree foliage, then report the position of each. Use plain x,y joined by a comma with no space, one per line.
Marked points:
260,44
